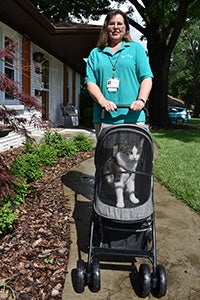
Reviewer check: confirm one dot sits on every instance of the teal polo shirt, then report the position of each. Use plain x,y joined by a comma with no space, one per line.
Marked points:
131,68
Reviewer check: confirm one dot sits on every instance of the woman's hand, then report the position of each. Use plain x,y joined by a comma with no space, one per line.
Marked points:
109,105
137,105
97,95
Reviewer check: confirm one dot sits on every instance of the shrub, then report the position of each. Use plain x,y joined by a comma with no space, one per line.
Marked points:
7,218
82,143
9,117
46,155
66,148
27,166
29,145
52,138
21,188
62,147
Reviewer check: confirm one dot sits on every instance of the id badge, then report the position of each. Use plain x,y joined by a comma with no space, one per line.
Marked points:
112,84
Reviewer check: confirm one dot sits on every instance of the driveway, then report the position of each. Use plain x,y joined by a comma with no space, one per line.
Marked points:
178,242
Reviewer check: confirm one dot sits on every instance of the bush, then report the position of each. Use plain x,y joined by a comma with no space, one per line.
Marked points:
27,167
46,155
21,191
7,218
53,138
29,145
82,143
62,147
66,148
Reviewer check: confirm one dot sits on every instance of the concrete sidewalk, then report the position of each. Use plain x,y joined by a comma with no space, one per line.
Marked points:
178,237
68,133
178,242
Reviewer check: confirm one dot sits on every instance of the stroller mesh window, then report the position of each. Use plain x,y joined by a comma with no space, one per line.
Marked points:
123,161
125,167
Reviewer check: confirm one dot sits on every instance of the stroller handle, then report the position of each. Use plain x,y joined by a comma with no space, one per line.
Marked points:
128,107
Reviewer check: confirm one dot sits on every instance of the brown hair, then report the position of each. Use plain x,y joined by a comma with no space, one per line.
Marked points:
103,37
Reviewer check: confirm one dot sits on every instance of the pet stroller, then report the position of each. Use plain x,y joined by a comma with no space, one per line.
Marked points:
123,221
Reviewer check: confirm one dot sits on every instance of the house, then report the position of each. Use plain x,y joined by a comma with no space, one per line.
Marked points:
50,65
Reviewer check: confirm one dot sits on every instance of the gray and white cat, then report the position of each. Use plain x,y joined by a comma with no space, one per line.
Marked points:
120,170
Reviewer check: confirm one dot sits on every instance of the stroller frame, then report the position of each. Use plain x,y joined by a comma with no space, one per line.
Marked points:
144,230
95,251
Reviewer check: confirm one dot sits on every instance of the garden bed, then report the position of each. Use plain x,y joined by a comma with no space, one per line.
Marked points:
34,255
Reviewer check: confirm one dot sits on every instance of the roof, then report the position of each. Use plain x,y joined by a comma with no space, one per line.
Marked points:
69,42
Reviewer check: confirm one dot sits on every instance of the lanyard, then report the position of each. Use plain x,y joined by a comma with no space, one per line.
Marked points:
114,65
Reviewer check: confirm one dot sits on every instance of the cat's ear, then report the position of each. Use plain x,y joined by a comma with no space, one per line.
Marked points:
141,143
115,149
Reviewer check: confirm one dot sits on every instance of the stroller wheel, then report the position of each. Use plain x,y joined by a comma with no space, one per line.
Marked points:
79,284
144,277
159,282
95,276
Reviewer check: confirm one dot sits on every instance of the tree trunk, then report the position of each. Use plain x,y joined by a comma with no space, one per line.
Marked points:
197,102
158,98
159,58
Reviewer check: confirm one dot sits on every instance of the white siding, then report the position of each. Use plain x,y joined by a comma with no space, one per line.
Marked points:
56,87
14,139
56,91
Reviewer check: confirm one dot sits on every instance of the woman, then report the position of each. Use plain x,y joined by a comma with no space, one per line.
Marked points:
118,73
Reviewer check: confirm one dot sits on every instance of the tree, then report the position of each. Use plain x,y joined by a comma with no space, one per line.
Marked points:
163,21
184,77
66,10
9,117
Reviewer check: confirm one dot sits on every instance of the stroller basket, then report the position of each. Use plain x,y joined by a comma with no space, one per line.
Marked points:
126,236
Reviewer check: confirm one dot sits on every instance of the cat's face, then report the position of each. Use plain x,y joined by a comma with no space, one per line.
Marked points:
131,153
127,155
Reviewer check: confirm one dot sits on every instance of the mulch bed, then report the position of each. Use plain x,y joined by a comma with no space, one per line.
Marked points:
34,256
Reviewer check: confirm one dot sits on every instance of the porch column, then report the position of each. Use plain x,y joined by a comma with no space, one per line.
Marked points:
74,88
26,63
65,86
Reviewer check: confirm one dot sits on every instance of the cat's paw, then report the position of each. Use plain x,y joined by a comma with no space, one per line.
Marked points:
110,178
120,204
134,200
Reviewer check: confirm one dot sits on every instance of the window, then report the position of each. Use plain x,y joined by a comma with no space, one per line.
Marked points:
9,66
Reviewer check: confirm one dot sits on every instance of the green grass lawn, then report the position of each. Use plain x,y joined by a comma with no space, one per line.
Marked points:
178,162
